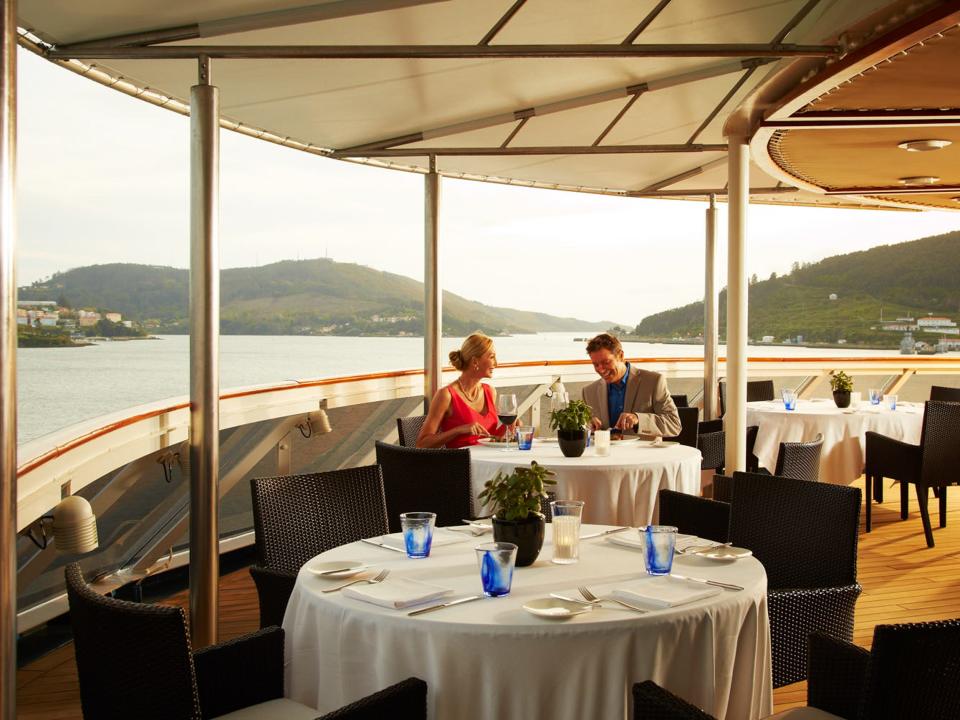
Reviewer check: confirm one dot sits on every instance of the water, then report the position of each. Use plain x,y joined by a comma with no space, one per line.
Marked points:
58,387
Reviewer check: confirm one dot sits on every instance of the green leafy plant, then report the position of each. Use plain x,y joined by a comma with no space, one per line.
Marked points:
517,496
573,417
840,381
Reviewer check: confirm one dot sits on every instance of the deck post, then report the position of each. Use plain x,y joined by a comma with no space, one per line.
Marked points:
204,357
433,292
8,363
710,315
735,418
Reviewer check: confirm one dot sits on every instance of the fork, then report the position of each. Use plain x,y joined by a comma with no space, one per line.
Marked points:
585,591
380,577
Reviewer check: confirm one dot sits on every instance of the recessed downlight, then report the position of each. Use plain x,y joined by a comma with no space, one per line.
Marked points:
920,180
923,145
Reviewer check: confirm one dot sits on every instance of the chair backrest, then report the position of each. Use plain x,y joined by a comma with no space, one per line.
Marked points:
940,443
680,400
756,390
800,460
946,394
694,515
804,533
408,428
711,442
689,419
296,517
914,672
133,659
431,480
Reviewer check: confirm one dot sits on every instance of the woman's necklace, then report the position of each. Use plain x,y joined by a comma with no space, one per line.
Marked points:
475,397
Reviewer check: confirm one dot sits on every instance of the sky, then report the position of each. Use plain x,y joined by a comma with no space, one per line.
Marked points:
103,178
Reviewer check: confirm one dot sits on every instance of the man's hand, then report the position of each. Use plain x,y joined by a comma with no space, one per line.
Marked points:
596,423
627,421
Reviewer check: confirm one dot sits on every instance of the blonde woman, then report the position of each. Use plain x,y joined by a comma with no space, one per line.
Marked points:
465,410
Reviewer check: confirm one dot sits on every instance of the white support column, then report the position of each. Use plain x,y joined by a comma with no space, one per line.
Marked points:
204,358
433,292
8,362
735,418
710,315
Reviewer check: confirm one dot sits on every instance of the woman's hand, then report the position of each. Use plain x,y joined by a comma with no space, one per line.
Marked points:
473,429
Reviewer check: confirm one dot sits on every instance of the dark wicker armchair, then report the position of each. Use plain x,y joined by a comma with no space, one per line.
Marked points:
433,480
680,400
297,517
408,429
933,463
689,418
944,394
712,444
756,390
800,460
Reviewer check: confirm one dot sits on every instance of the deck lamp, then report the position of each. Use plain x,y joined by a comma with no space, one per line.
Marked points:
316,423
73,526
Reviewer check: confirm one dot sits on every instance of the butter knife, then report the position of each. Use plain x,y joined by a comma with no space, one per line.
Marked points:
431,608
383,545
717,583
605,532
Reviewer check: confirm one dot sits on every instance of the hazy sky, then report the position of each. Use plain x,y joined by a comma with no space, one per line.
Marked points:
104,178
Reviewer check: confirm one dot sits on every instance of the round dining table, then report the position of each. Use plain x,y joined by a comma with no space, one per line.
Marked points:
489,659
621,488
843,430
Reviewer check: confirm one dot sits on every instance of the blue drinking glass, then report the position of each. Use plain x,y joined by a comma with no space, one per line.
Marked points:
496,561
658,544
417,533
789,399
875,396
524,438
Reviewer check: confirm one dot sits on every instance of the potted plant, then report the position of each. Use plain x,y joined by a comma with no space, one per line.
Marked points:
571,425
841,384
516,505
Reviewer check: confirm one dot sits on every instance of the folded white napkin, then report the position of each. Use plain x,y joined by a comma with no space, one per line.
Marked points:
684,542
441,536
664,591
397,592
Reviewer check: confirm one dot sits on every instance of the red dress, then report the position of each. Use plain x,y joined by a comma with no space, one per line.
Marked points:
462,414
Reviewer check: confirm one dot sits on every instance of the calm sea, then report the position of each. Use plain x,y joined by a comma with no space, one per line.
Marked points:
58,387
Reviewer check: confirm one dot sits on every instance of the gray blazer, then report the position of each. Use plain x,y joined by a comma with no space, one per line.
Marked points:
647,396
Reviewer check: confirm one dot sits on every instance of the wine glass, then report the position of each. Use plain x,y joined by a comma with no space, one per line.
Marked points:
507,413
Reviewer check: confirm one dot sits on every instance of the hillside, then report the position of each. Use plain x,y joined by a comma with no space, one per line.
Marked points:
302,297
908,279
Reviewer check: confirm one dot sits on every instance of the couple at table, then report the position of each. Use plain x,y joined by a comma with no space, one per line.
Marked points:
464,411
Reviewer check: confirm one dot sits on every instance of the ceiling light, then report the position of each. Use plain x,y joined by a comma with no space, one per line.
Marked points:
923,145
921,180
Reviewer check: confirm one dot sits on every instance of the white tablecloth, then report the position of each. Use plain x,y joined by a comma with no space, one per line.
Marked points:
619,489
490,659
842,457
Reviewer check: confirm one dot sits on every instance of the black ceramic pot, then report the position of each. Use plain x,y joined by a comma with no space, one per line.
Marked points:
526,534
841,398
572,442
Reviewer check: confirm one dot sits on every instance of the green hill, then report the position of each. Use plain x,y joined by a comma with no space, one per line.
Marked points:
908,279
302,297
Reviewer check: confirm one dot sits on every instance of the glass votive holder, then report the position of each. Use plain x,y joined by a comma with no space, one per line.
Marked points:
566,530
417,533
524,437
601,442
855,400
875,396
496,561
890,401
658,544
789,399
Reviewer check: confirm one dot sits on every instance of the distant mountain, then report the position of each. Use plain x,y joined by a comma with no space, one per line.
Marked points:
908,279
293,297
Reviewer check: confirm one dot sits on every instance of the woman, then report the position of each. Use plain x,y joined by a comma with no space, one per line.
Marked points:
465,410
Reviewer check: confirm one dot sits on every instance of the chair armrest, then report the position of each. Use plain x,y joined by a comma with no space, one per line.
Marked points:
273,591
652,702
837,676
695,515
407,700
241,672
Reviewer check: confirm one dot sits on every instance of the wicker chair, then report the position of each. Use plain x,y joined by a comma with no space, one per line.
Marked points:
297,517
407,700
931,464
680,400
756,390
712,444
800,460
945,394
408,428
910,672
435,480
692,516
689,417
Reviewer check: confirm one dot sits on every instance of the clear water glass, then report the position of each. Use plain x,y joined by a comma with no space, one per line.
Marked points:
496,561
524,437
566,530
875,396
658,544
789,399
417,533
890,401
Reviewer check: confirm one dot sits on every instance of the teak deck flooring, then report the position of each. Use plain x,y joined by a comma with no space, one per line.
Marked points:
903,581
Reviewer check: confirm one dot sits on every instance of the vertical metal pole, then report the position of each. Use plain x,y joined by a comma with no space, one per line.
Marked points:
710,315
8,364
433,294
204,357
735,419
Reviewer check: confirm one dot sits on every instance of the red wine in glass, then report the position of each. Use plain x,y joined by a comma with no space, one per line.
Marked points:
507,412
507,419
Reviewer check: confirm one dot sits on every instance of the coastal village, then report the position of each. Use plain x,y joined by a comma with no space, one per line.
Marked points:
47,323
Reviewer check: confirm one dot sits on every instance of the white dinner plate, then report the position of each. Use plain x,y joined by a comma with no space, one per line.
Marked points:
555,608
723,553
496,442
663,444
344,568
623,441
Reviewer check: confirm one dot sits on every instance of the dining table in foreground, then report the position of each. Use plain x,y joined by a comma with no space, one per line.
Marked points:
621,488
490,659
844,432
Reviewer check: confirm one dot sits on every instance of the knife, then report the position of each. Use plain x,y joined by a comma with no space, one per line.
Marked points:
728,586
343,569
431,608
605,532
588,603
383,545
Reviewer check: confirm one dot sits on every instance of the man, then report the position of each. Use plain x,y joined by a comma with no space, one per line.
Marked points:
628,398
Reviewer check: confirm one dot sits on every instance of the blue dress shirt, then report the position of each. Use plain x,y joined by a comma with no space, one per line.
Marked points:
616,396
